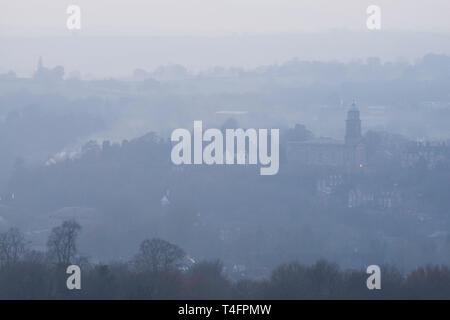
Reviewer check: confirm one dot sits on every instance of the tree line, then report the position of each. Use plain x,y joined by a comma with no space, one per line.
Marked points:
161,270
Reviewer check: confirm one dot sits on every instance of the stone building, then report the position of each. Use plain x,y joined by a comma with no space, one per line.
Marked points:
349,154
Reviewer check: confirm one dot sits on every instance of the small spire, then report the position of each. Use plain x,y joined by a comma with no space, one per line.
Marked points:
40,63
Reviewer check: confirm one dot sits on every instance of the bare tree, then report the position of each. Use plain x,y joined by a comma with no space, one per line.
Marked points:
157,255
12,247
61,243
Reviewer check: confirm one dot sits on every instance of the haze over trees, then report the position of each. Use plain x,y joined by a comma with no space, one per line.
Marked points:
98,152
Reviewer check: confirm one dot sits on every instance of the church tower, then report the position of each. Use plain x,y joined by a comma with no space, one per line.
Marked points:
353,126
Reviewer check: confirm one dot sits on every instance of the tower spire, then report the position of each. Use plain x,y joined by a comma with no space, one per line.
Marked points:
353,125
353,107
40,65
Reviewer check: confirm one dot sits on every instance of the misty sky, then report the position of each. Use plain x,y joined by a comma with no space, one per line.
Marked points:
217,17
118,36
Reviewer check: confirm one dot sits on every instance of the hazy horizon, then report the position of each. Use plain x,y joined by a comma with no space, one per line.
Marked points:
111,56
118,36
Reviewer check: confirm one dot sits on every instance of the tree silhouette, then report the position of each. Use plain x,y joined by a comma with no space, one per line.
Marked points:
12,247
157,255
61,243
